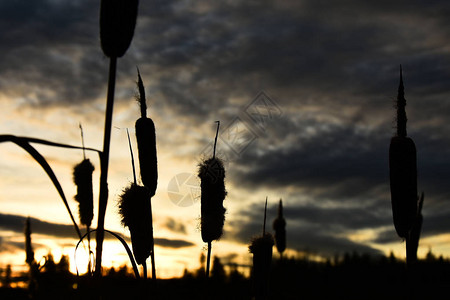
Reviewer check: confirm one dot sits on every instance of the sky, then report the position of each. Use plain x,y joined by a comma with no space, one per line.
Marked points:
304,91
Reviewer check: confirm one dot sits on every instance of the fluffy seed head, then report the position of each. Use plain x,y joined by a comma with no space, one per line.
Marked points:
82,176
135,212
117,23
212,175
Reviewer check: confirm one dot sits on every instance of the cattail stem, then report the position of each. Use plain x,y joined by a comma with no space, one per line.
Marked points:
104,162
215,139
401,104
132,157
208,260
152,253
144,270
82,141
265,215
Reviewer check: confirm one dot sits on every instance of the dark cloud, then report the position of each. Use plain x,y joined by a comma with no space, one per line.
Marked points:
16,223
175,226
311,228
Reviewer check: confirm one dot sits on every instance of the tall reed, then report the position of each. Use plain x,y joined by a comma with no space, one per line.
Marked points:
403,173
212,175
117,23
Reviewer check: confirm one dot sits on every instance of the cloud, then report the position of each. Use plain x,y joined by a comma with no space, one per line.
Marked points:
16,224
175,226
332,69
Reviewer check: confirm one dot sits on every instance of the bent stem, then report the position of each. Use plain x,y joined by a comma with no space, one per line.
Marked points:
104,161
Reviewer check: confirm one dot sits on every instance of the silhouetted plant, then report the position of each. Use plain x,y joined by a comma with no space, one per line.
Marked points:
279,225
148,163
212,175
82,177
135,212
403,175
261,247
117,23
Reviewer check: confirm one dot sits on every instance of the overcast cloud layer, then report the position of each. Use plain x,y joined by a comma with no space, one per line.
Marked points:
330,70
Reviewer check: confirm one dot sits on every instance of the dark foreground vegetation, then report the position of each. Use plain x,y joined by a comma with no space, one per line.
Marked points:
352,276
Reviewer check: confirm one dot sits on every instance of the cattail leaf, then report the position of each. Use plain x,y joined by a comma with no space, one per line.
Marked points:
212,175
117,23
41,161
124,244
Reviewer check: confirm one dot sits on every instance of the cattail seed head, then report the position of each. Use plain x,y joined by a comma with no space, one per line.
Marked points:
212,175
279,225
148,162
135,212
117,23
403,172
82,176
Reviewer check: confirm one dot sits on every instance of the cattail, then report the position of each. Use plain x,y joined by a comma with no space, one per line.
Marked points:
134,209
261,248
212,175
146,142
403,171
28,247
279,225
117,23
82,176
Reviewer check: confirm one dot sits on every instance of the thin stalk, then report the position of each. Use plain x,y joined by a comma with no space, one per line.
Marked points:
104,162
144,270
265,214
152,253
208,260
82,141
215,139
89,249
132,158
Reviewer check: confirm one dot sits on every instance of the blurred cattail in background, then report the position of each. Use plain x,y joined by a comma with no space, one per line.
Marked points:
279,225
261,247
28,247
212,175
403,172
117,23
33,266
